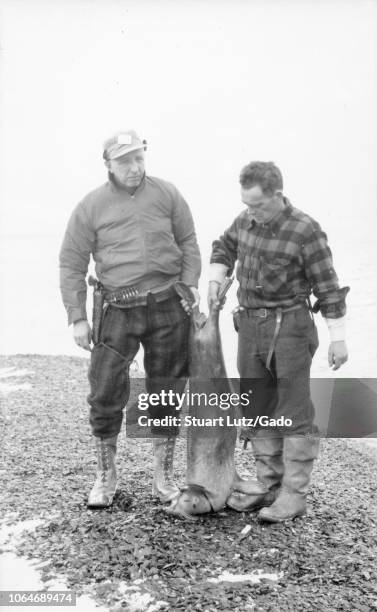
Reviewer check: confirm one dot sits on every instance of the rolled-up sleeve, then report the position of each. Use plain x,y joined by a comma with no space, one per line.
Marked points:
224,250
78,244
185,237
319,271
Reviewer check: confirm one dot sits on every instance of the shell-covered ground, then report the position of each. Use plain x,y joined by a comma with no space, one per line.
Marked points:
135,556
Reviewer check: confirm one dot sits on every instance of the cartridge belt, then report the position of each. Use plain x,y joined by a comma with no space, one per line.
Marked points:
128,297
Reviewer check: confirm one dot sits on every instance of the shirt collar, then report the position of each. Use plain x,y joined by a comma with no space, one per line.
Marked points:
276,221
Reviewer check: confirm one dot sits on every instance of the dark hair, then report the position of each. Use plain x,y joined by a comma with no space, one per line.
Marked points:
264,174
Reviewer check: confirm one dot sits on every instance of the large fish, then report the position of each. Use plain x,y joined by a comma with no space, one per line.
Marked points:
211,475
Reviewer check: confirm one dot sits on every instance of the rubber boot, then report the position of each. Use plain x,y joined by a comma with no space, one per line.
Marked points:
103,491
163,456
299,456
268,454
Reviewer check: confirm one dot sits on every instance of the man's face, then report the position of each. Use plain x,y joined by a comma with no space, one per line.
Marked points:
262,207
129,169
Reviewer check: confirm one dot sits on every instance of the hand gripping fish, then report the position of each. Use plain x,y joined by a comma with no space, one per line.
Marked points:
211,475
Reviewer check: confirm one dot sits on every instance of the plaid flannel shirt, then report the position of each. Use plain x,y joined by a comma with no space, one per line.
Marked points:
281,262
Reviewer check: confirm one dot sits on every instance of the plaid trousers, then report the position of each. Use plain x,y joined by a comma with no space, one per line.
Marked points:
163,330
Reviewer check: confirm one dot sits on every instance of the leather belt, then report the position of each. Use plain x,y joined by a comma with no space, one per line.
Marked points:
132,296
278,315
263,313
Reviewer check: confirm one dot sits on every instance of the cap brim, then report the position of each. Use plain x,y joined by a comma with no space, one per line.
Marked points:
124,150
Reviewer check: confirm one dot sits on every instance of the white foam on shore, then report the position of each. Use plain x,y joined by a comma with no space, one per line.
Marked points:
370,442
21,574
254,577
10,387
12,371
7,388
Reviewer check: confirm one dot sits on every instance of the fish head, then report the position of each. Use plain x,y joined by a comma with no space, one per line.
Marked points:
192,501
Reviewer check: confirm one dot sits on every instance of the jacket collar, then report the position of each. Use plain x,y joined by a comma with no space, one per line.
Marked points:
114,186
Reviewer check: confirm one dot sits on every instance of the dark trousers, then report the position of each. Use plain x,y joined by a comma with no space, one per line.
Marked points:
285,391
162,328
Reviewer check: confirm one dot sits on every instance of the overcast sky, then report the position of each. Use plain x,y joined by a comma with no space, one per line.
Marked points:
210,84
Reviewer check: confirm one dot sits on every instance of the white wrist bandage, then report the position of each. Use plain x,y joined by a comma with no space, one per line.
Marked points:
217,272
337,329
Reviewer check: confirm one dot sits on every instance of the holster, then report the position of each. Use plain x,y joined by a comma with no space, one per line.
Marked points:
236,314
98,302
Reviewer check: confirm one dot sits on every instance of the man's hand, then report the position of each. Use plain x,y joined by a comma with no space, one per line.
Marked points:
338,354
213,295
82,334
186,306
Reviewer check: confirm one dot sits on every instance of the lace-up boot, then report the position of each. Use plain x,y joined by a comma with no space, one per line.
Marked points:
163,483
103,491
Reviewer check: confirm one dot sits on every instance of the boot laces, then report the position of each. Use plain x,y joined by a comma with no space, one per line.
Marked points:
104,477
168,460
105,459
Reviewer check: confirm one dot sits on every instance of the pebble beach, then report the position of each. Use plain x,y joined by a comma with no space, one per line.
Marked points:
134,556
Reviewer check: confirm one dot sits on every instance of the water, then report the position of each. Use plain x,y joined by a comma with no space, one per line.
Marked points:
33,319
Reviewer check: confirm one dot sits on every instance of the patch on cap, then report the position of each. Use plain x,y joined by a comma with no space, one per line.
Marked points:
125,139
121,143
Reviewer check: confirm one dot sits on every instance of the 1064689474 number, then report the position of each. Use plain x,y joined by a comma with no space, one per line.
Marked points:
37,598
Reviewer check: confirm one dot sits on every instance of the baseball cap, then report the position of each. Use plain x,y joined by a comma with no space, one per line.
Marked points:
122,142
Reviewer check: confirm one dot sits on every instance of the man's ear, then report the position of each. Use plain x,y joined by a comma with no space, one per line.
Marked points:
279,194
107,164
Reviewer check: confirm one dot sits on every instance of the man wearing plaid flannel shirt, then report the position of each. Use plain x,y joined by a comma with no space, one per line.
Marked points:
282,256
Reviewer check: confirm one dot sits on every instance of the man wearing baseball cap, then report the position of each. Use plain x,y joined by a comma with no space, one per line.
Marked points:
140,233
